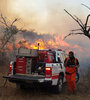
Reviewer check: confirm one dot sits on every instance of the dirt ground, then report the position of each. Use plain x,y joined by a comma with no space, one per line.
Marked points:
10,92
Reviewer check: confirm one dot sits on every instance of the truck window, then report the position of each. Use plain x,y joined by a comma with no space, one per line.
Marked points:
50,58
59,60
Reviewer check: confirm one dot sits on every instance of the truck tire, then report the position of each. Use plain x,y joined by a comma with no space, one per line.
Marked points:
58,87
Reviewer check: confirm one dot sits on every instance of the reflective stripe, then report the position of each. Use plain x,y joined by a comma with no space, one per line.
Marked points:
54,74
72,65
71,68
55,77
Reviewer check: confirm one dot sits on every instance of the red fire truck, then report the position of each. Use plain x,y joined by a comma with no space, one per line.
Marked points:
38,66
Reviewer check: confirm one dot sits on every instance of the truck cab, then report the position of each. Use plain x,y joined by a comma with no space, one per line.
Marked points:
38,66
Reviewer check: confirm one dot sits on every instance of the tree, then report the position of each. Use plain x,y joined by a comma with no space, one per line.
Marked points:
84,28
9,30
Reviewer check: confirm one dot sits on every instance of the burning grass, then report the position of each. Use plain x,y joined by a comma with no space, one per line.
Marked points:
48,43
11,92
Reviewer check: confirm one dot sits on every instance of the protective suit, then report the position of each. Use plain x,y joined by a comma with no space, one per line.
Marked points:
70,67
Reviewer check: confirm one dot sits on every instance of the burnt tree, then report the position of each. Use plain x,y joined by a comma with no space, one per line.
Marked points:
84,28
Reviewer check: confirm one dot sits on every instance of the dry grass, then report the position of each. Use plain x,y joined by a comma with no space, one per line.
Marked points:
10,92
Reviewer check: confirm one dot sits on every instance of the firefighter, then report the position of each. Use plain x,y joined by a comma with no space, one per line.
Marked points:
71,65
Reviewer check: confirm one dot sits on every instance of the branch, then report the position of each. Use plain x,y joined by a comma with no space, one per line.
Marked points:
87,20
73,34
77,30
74,19
4,21
88,30
85,6
79,20
6,41
14,21
84,27
69,14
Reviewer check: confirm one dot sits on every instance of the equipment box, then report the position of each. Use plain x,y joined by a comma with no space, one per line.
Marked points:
27,52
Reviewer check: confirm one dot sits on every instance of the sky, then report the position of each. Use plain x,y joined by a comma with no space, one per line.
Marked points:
45,15
48,16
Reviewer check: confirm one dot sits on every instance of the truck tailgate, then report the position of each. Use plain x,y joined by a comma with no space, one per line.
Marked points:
22,78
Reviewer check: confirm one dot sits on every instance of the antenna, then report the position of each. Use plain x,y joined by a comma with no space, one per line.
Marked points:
38,45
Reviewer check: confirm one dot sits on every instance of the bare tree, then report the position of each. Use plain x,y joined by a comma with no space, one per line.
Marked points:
9,30
84,28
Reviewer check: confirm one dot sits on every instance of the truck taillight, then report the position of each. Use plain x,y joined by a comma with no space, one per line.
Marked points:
10,68
48,72
48,69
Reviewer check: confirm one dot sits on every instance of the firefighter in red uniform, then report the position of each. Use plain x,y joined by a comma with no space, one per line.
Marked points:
71,65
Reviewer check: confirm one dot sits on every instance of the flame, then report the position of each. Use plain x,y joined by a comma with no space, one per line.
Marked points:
43,44
61,42
10,46
55,43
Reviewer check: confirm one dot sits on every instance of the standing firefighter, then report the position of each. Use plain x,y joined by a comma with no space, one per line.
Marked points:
71,64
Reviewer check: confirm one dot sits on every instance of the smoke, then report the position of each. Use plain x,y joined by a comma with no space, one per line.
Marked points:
47,16
3,7
32,36
42,15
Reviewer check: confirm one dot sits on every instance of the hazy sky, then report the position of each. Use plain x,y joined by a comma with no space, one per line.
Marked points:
48,16
45,15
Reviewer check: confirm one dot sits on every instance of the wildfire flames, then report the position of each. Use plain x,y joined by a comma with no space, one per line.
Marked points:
43,44
48,43
55,43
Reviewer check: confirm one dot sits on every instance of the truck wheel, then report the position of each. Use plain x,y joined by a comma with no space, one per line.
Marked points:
58,87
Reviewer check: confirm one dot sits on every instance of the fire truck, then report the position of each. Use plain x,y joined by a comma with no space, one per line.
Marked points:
38,66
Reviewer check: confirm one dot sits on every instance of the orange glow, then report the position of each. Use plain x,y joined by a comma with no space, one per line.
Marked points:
10,46
43,44
55,43
61,42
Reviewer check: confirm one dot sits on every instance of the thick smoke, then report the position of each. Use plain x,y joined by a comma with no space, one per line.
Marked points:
32,36
54,20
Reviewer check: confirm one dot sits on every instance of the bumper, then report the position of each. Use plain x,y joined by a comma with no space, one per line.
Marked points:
27,79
